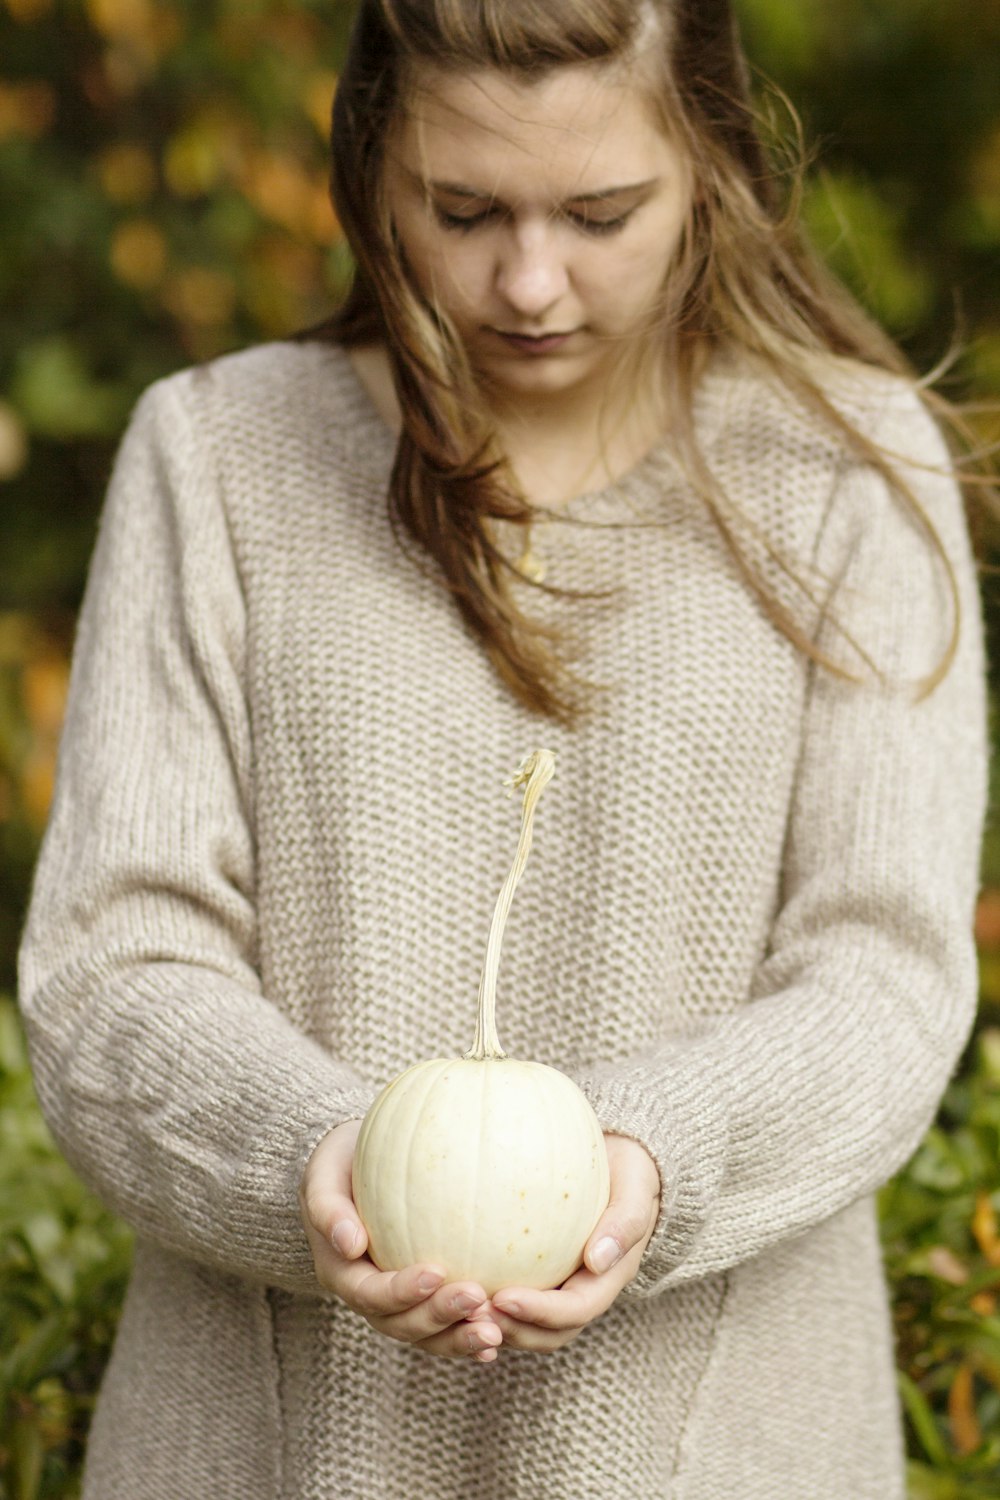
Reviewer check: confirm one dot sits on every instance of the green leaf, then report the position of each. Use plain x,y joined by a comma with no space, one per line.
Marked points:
922,1417
32,1359
27,1458
861,234
57,395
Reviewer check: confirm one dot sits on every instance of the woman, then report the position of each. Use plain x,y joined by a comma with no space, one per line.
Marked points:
744,618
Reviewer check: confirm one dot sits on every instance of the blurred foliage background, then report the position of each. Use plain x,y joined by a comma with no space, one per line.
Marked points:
163,199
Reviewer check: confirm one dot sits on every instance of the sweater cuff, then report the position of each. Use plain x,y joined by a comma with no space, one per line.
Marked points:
679,1116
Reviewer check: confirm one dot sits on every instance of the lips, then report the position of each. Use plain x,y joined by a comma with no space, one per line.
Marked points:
532,343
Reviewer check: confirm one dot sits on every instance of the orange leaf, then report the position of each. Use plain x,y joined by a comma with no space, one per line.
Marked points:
199,296
126,172
37,782
139,253
988,919
13,443
26,11
281,189
116,18
965,1430
26,108
984,1228
323,224
44,683
318,100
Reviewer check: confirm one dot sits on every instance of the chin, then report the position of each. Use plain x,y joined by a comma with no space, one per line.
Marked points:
534,375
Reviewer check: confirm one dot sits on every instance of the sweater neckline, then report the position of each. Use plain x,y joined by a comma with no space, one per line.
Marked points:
377,441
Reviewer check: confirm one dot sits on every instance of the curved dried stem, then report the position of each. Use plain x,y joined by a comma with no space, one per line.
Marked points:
534,772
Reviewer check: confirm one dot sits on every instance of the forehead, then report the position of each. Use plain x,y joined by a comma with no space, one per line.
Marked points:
573,129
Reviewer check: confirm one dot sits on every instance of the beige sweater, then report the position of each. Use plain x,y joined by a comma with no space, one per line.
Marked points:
277,837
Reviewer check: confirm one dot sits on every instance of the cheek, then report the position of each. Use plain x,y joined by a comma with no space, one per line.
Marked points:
446,269
636,278
464,275
626,284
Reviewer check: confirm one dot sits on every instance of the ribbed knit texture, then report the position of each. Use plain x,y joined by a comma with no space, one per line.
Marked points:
276,841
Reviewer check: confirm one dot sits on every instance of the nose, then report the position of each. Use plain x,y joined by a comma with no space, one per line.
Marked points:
531,272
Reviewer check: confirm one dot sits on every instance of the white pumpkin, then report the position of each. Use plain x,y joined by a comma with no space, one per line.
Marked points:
493,1168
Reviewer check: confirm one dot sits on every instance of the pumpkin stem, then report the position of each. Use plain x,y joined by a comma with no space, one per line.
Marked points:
533,773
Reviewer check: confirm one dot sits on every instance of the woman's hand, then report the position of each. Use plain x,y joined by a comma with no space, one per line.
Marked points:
456,1319
415,1306
543,1321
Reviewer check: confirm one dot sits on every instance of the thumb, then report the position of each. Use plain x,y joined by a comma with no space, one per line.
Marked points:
632,1210
327,1201
348,1235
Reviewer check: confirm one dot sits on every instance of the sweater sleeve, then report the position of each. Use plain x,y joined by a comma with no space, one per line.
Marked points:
171,1082
818,1087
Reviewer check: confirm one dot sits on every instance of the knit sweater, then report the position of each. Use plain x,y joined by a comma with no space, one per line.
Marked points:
277,836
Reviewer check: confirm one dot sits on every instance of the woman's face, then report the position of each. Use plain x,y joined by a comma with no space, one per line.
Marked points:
541,217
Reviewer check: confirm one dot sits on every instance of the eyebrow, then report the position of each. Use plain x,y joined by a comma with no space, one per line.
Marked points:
462,190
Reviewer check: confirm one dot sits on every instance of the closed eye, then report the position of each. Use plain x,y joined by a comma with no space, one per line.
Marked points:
591,225
462,221
586,223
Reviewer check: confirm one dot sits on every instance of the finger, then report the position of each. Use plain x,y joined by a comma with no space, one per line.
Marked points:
453,1303
582,1298
329,1263
615,1235
539,1320
530,1338
632,1209
382,1294
479,1341
338,1236
578,1302
326,1195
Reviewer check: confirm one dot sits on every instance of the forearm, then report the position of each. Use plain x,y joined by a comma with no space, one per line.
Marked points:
785,1113
813,1088
169,1077
189,1105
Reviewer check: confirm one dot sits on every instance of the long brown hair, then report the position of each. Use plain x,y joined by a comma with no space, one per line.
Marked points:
744,276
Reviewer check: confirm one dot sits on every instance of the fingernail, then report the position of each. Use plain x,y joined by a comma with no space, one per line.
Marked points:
605,1253
429,1281
345,1236
513,1309
487,1338
467,1303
